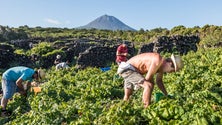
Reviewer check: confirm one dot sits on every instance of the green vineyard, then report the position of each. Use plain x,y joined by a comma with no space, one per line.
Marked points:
94,97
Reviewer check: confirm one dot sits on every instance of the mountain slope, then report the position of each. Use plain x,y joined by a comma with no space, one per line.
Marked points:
108,23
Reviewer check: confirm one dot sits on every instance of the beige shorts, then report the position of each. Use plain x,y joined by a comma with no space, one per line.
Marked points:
132,79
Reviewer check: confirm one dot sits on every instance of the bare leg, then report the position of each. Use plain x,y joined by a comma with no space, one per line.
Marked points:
127,94
4,103
148,89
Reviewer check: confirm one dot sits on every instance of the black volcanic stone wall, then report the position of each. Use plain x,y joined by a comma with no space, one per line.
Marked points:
7,57
146,48
84,49
99,56
178,43
25,44
93,52
95,56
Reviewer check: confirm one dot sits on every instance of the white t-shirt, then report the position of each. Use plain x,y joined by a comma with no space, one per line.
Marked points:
62,65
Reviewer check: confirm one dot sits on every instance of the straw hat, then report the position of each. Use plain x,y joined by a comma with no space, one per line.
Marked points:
41,74
177,62
58,56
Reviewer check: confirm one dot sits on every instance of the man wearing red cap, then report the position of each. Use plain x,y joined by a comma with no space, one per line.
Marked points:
121,53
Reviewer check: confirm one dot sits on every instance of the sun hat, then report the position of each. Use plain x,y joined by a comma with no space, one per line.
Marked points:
58,56
41,74
177,62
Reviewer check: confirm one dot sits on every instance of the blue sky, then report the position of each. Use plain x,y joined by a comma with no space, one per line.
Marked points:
146,14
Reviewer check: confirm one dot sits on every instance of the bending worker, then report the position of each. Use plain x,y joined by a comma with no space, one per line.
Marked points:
147,64
12,82
63,65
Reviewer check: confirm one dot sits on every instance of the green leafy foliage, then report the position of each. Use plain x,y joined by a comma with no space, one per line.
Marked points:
41,48
91,96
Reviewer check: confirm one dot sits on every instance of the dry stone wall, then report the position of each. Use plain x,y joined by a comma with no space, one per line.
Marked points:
99,56
180,44
23,43
92,52
82,50
8,57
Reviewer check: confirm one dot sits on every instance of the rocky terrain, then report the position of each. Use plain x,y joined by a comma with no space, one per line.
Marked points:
88,52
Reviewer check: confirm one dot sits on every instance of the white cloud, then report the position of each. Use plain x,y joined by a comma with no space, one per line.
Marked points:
52,21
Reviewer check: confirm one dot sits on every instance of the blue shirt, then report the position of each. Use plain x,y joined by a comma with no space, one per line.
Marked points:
14,73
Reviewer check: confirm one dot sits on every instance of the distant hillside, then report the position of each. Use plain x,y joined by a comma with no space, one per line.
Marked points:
108,23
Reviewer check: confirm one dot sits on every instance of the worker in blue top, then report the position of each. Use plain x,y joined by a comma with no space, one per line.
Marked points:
12,82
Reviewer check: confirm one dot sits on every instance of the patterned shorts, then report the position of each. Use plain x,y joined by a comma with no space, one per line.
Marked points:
132,79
